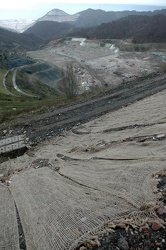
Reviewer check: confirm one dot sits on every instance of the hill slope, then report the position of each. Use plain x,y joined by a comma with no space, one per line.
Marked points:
48,30
139,28
113,24
57,15
93,17
11,40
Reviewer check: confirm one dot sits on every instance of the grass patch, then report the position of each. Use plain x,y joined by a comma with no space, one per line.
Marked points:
2,89
12,106
31,85
2,72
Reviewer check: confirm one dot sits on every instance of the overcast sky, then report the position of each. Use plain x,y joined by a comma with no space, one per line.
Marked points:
36,8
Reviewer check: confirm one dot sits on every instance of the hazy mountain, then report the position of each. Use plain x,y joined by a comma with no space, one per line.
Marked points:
92,17
153,31
138,28
57,15
15,41
48,30
86,18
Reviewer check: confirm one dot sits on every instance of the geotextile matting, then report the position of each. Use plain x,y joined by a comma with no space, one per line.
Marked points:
58,208
9,239
77,183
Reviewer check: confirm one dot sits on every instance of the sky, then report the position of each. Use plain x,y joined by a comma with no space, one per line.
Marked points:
18,9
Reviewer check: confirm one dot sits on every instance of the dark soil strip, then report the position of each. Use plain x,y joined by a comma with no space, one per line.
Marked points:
113,159
76,182
66,158
22,241
131,127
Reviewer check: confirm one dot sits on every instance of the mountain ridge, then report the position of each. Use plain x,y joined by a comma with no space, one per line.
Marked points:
150,27
138,28
57,15
85,18
93,17
57,23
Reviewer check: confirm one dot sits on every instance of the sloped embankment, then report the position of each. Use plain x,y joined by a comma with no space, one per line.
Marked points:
81,180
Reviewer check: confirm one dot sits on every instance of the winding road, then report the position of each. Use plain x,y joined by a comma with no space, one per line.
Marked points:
15,84
4,84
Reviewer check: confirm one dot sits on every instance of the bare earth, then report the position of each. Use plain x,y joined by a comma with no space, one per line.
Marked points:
74,184
78,185
111,64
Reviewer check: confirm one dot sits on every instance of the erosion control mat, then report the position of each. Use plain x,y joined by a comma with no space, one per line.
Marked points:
8,222
58,208
76,184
